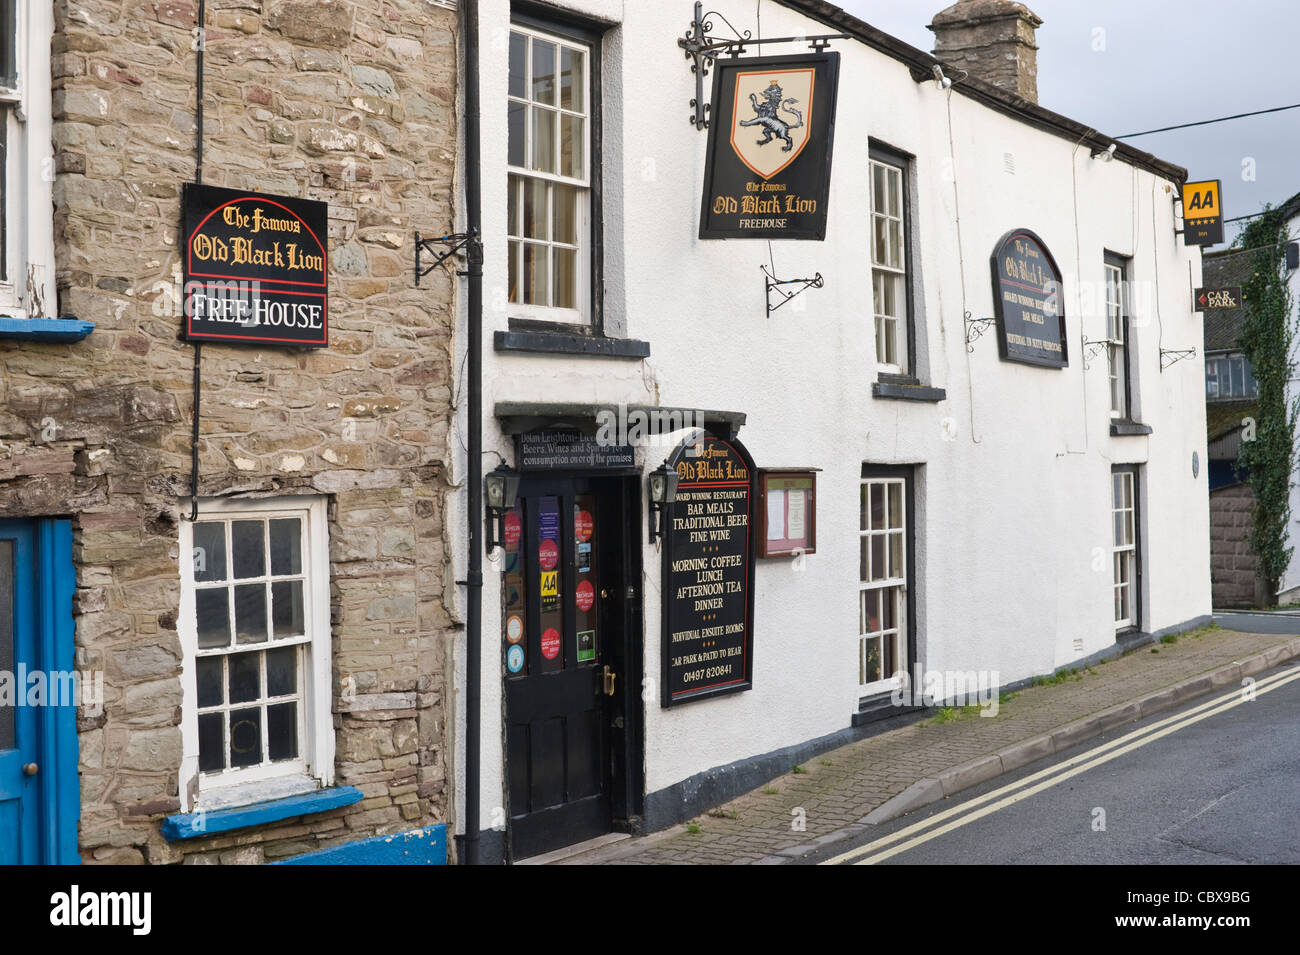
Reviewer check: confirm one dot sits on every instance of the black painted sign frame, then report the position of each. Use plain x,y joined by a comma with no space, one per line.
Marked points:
707,466
256,268
730,179
1009,331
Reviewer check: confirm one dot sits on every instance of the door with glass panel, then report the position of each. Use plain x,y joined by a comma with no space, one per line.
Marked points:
883,554
1126,547
561,603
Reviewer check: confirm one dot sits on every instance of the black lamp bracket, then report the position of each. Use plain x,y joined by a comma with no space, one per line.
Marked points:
1172,356
773,284
1091,349
703,49
975,329
453,244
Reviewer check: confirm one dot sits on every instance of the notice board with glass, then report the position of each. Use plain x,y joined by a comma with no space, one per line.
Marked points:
787,512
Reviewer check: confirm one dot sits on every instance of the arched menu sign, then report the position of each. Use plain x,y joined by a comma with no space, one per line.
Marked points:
1028,301
708,576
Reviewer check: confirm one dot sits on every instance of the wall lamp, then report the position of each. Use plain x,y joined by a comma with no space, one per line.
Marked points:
662,484
941,82
501,489
1105,155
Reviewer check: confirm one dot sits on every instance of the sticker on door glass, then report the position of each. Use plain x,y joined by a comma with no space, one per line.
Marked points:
550,643
548,555
550,590
548,525
582,525
584,558
585,595
515,629
586,646
514,528
512,595
515,659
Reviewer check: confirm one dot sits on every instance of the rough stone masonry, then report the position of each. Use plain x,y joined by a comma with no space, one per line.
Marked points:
348,101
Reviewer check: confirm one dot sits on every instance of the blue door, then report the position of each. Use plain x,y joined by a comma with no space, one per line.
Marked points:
39,799
20,823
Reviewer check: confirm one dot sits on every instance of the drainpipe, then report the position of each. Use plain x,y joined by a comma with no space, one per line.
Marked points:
474,424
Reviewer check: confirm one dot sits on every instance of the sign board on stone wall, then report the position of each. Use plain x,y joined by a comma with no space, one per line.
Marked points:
1028,301
708,572
256,268
768,168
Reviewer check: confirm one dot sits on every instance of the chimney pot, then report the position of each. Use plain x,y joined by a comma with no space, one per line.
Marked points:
992,40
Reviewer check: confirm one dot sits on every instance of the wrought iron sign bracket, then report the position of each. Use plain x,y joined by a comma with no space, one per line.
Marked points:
975,329
773,284
1092,349
1172,356
703,49
457,242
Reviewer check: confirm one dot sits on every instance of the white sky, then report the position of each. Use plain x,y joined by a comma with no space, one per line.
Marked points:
1163,62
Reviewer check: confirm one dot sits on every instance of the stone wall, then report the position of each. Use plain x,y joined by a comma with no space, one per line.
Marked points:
1234,568
349,101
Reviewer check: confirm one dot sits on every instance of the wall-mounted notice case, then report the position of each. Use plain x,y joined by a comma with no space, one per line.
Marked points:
787,512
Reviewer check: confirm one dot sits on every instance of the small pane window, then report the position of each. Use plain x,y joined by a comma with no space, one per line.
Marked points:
250,582
882,587
550,177
889,266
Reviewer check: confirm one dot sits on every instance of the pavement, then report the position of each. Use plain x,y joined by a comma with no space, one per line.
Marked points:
845,792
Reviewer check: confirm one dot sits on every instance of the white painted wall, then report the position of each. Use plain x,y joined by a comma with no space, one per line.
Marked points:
1013,537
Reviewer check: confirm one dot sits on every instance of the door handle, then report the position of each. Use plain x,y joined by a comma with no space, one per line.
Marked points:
31,769
604,594
608,681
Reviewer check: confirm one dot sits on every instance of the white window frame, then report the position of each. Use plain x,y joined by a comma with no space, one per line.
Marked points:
583,314
899,274
315,766
27,289
891,587
1116,342
1124,554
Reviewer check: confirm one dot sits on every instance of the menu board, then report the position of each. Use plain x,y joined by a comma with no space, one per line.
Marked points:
708,573
1028,301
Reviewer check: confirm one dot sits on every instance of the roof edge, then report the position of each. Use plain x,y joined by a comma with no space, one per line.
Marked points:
922,64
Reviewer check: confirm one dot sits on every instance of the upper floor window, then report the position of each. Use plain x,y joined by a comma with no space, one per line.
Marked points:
1230,376
550,210
889,270
26,162
1117,324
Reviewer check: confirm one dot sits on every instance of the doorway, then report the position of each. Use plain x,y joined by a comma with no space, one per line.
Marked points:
571,653
39,794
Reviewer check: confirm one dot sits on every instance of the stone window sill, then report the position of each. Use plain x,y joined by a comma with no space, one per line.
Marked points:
1120,428
559,343
206,823
906,389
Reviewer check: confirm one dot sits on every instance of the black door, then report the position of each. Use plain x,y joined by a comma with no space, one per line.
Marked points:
562,618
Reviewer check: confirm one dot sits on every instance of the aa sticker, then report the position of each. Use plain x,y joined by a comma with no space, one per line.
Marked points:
550,589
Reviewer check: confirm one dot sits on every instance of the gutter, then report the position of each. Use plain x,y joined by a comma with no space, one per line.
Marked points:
468,13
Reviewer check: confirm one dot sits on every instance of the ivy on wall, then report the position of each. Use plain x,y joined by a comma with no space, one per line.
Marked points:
1268,335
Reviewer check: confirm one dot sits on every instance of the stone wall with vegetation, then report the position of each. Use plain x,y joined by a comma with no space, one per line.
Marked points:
348,101
1234,567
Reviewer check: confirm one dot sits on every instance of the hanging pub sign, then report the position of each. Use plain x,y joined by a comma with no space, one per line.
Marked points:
708,575
1202,212
1027,301
768,168
256,268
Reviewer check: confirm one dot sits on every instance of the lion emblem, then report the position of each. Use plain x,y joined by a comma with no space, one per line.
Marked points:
766,116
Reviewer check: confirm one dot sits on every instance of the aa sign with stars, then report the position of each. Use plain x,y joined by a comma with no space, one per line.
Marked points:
1202,213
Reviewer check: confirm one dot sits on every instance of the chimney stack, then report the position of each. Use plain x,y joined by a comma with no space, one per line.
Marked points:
992,40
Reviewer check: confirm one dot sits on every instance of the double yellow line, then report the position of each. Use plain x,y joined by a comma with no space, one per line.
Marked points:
937,825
